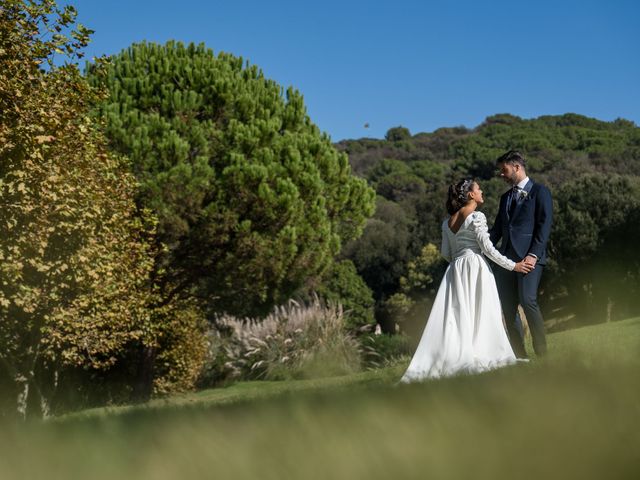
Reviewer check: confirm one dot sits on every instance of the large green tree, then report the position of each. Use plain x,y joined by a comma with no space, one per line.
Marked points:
593,245
382,252
252,199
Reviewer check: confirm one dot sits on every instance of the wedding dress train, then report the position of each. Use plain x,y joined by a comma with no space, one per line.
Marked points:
464,332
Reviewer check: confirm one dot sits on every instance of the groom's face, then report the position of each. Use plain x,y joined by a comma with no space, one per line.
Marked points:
509,172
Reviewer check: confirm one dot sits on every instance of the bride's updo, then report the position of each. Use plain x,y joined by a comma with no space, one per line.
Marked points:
458,195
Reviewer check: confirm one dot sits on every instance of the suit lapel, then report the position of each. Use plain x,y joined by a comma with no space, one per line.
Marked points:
504,207
520,201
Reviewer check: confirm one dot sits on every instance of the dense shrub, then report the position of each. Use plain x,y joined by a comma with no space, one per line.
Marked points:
342,284
593,247
182,347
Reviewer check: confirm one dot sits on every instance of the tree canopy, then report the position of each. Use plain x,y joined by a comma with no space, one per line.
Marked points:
74,259
590,166
251,198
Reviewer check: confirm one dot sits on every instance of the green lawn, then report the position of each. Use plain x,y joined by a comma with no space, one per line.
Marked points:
574,415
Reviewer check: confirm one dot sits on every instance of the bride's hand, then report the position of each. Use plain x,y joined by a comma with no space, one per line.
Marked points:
522,267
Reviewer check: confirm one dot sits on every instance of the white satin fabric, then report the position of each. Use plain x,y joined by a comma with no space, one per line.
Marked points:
464,332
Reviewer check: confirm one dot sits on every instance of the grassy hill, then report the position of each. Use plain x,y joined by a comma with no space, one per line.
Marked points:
574,415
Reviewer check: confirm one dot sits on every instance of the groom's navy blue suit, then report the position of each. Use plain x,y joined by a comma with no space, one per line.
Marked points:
524,228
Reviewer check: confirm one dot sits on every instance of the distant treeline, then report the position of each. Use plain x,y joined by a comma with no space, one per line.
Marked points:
591,166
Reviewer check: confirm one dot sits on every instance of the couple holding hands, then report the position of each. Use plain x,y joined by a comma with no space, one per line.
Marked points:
465,332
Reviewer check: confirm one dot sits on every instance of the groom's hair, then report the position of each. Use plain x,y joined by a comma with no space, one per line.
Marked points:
512,156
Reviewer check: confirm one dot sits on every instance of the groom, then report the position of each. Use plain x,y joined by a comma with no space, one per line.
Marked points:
523,223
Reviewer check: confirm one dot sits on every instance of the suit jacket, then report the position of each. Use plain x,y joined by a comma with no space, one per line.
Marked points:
527,231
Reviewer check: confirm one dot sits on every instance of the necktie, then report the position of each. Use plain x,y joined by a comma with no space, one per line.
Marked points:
513,200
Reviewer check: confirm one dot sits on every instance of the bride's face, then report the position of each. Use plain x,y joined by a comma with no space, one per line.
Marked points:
476,194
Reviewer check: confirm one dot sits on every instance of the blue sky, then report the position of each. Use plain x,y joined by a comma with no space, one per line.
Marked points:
420,64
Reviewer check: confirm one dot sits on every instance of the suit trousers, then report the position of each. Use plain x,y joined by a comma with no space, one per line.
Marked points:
516,288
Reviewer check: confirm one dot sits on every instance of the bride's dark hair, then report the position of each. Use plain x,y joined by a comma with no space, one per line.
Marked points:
457,197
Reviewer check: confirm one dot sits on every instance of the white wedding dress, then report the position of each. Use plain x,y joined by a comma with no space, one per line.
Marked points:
464,333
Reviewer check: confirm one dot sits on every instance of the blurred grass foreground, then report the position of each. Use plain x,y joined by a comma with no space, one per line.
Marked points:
576,414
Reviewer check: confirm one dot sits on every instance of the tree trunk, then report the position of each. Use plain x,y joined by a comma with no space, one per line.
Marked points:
144,384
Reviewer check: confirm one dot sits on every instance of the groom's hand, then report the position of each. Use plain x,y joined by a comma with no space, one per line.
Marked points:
531,260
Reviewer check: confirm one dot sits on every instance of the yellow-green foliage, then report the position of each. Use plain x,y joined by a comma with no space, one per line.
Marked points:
423,270
80,320
73,261
182,347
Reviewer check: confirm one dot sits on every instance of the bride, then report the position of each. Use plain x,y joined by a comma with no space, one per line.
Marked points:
464,333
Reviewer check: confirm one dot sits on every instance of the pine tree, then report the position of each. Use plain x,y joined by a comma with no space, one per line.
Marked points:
252,199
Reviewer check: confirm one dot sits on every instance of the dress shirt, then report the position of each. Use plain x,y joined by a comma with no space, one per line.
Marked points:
520,186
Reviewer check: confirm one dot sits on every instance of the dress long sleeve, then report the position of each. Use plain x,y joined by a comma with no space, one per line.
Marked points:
445,248
481,230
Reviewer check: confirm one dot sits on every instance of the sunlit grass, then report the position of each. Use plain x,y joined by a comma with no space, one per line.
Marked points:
574,415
